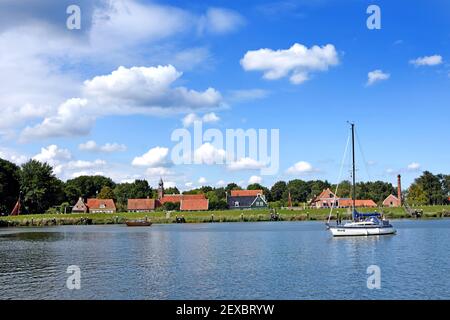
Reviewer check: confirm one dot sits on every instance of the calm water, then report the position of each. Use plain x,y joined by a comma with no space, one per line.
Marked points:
280,260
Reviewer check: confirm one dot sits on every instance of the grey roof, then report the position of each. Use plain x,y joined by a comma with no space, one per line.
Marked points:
244,201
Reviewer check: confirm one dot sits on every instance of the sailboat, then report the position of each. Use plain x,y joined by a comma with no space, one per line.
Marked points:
362,224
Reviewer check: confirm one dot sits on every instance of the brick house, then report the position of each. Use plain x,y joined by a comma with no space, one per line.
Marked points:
327,199
391,201
141,205
80,206
188,202
101,206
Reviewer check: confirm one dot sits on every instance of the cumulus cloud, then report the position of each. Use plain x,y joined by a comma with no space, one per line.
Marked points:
136,90
209,154
65,123
433,60
301,168
414,166
297,62
92,146
53,155
376,76
219,20
155,157
245,164
202,180
190,118
254,179
13,156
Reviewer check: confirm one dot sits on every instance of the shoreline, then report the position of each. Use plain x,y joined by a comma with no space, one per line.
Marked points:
159,217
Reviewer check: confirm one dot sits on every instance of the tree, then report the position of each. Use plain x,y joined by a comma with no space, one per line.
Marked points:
9,185
299,190
171,206
277,190
172,190
416,195
138,189
86,187
41,189
106,193
316,187
432,187
232,186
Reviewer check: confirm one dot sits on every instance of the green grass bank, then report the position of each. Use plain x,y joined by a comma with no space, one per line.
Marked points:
206,216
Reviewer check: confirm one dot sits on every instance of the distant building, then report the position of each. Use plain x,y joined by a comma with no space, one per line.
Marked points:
101,206
188,202
246,199
348,203
324,200
395,201
391,201
141,205
328,199
80,206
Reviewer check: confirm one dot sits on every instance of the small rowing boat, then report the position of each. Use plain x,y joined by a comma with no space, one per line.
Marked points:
138,223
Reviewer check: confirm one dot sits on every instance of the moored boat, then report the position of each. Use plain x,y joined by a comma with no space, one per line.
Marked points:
362,224
138,223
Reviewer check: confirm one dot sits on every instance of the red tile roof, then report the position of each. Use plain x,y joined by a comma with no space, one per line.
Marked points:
245,193
358,203
141,204
179,197
105,203
194,204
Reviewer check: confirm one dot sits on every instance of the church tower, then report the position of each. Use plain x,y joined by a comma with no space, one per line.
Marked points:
160,189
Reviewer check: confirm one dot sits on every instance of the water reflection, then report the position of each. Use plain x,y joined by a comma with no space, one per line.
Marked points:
280,260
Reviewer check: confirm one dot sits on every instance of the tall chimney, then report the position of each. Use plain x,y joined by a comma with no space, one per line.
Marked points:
399,189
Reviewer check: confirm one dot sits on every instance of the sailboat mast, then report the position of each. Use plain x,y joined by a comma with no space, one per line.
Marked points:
353,170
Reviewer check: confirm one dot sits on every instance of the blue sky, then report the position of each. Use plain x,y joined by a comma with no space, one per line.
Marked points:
402,117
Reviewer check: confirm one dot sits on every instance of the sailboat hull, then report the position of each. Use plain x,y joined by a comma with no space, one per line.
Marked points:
342,231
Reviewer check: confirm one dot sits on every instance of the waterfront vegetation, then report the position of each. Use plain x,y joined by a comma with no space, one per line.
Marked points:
209,216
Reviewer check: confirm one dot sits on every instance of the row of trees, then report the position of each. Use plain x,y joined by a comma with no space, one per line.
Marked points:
42,190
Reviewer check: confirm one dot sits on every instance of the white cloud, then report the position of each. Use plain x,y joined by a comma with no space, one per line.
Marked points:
53,155
254,179
414,166
219,21
427,61
13,156
209,154
246,164
84,164
136,90
296,62
188,184
376,76
125,23
190,118
66,122
202,180
155,157
92,146
148,90
301,168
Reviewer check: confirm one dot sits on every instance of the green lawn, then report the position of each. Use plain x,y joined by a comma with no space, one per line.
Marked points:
206,216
